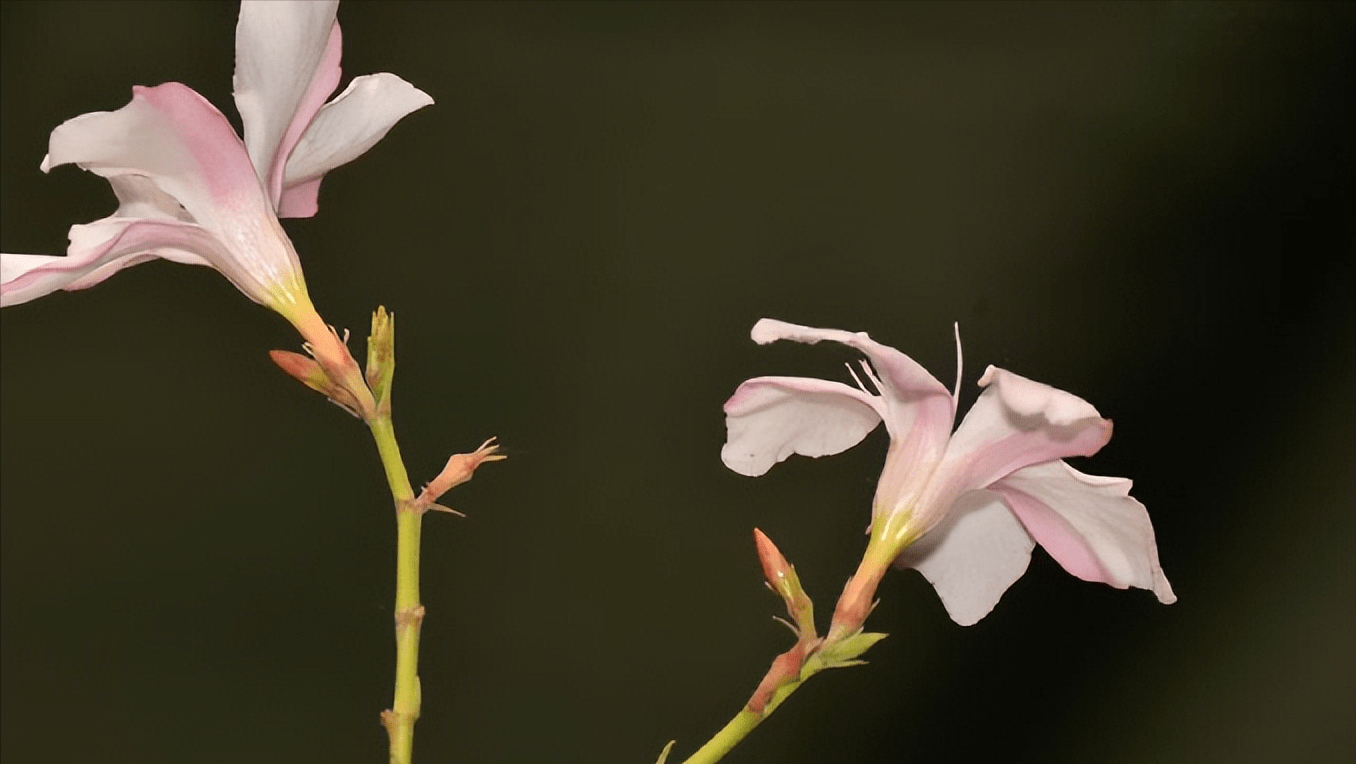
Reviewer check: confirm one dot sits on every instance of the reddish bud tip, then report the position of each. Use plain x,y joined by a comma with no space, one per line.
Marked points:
775,566
310,373
781,576
295,364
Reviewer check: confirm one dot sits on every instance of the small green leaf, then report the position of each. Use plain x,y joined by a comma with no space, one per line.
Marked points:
843,652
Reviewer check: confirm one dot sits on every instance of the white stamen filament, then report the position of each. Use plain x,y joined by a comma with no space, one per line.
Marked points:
871,375
856,379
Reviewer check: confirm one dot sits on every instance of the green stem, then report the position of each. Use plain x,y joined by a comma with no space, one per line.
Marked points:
742,724
409,613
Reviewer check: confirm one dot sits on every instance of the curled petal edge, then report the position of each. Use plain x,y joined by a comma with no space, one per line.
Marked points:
905,380
1015,423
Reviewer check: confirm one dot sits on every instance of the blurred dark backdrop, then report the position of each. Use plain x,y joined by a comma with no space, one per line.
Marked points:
1149,205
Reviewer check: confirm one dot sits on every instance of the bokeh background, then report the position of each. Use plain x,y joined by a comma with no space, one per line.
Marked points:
1149,205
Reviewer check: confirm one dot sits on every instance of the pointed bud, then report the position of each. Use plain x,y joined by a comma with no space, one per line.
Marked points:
859,596
330,350
308,372
459,469
381,358
781,577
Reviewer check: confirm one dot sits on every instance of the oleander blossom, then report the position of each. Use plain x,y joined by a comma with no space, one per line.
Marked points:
191,191
965,508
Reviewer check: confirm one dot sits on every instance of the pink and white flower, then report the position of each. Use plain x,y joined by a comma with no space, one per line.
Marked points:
964,508
190,190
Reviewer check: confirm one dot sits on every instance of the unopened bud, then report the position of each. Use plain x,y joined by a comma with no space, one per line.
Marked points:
781,577
330,350
459,469
310,373
858,598
381,357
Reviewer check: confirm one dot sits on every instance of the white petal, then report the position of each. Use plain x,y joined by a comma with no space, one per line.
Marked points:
97,250
1015,423
917,409
769,418
93,236
1089,524
12,266
907,385
1030,399
286,65
139,197
173,138
27,277
344,130
973,556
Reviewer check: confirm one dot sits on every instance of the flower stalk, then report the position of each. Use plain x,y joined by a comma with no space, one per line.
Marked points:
791,669
399,719
409,612
367,395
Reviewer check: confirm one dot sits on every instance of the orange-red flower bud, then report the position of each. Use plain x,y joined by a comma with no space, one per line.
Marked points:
310,373
782,579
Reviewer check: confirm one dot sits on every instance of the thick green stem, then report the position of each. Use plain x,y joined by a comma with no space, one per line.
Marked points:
741,725
719,745
409,613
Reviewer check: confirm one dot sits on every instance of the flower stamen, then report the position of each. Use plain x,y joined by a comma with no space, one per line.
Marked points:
871,375
857,379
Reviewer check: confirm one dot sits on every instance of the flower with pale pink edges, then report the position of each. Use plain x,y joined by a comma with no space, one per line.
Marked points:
191,191
964,508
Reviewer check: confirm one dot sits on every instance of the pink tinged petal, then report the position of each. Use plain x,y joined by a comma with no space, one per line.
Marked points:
973,556
176,139
344,130
286,64
1015,423
300,200
769,418
102,273
905,384
27,277
1089,524
918,410
95,236
14,266
172,137
138,199
93,254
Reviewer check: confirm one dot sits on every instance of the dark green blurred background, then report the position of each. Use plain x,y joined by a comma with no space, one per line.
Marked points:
1149,205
